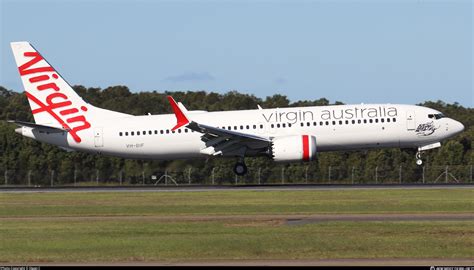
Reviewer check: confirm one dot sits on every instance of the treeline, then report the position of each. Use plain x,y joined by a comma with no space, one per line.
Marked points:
24,159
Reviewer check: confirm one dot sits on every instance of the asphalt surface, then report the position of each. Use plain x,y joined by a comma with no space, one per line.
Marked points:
197,188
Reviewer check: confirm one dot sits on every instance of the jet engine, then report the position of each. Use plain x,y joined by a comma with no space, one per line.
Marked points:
293,148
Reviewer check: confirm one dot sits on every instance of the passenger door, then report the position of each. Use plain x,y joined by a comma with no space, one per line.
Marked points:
411,120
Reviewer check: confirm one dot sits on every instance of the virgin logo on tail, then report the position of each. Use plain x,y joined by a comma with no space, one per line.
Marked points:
56,100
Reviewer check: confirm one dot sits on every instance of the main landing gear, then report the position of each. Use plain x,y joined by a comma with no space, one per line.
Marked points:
419,161
240,168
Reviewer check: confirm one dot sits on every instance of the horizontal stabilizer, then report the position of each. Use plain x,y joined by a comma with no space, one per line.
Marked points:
37,126
67,149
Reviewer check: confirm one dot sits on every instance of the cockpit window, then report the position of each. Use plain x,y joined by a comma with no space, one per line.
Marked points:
436,116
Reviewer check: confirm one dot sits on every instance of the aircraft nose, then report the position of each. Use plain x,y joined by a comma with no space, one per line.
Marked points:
457,127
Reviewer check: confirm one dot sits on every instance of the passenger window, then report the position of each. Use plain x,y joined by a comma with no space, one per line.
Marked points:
179,130
161,131
371,121
173,131
302,124
388,119
150,132
144,132
156,131
186,130
254,126
394,119
333,123
365,121
382,120
353,121
340,122
120,133
241,127
283,125
261,126
167,131
132,133
327,123
138,133
359,121
376,120
347,122
229,128
235,127
126,133
314,123
271,125
289,125
247,126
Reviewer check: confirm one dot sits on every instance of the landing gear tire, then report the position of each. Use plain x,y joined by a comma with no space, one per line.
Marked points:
418,155
240,168
419,161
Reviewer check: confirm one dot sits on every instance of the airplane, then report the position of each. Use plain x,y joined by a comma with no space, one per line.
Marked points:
64,119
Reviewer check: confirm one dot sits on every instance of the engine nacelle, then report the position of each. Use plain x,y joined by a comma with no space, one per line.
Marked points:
294,148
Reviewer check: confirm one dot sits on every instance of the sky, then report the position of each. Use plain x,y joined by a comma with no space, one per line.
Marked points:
350,51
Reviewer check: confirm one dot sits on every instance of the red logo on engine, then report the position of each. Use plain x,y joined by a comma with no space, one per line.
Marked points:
55,100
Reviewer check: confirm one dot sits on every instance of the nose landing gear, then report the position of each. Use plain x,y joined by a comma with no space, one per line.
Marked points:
419,161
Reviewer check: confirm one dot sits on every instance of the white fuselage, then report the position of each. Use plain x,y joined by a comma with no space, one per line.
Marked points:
63,118
336,128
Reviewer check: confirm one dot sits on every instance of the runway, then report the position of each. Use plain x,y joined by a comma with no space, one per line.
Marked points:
201,188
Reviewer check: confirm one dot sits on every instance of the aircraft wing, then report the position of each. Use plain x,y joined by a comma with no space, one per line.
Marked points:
220,141
214,131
